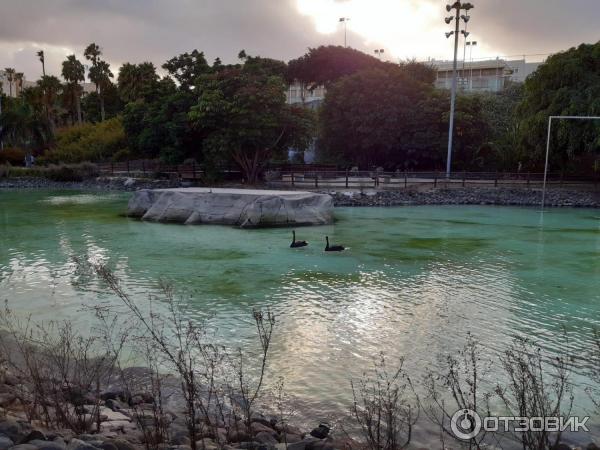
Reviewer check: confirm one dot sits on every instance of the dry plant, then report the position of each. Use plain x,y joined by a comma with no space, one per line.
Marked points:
62,371
538,386
216,384
385,407
594,357
461,379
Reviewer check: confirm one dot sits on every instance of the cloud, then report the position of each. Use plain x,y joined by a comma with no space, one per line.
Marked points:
155,30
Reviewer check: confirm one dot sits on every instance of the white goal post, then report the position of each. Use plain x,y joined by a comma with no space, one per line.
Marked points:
550,119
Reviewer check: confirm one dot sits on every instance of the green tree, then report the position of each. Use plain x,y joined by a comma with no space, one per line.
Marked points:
42,58
187,67
568,83
158,126
136,80
243,117
10,77
73,72
327,64
50,87
394,118
99,74
23,126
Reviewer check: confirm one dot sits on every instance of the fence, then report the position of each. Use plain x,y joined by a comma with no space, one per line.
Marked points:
403,180
322,176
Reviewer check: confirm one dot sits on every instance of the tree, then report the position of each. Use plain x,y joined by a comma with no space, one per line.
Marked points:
327,64
50,87
41,57
244,118
23,126
73,72
136,80
568,83
187,67
158,126
99,74
18,82
394,118
10,74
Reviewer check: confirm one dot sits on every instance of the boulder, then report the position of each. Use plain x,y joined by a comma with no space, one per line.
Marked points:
77,444
34,435
121,444
24,447
12,429
5,442
266,438
48,445
239,207
257,427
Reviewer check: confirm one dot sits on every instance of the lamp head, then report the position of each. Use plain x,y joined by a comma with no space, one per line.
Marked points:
449,33
467,6
448,20
449,8
465,18
465,33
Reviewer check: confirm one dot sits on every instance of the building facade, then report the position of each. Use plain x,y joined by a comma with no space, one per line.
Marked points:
492,75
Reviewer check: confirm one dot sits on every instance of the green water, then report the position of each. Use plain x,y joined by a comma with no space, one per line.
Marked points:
414,281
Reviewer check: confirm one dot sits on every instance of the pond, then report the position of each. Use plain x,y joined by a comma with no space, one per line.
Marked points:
413,282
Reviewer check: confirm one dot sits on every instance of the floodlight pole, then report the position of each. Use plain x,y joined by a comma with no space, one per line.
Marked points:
458,6
550,119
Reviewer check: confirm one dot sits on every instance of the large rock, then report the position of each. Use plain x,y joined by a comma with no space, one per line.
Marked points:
244,208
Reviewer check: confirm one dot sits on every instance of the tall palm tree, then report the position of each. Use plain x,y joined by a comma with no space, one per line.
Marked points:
42,59
134,80
51,88
18,82
10,76
99,73
73,72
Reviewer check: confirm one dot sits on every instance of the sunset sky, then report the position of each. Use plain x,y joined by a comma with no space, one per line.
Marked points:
155,30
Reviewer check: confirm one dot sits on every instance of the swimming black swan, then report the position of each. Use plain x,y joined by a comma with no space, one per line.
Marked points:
333,248
295,243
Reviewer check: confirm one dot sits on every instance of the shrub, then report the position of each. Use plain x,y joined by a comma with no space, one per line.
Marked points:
13,156
89,142
71,172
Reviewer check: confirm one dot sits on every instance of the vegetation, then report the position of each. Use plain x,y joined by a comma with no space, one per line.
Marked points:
375,113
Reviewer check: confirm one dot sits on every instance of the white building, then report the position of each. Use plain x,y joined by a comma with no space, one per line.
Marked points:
299,93
483,76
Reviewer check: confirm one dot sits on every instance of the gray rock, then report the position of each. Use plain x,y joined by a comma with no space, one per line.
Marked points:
266,438
289,438
107,446
592,446
12,429
76,444
5,442
24,447
7,399
561,446
257,427
48,445
34,435
292,446
244,208
122,444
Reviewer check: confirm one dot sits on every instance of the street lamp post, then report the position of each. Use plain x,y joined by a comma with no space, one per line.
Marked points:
471,44
458,6
345,21
379,52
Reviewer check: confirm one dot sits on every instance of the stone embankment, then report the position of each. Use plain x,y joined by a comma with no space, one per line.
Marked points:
98,184
468,196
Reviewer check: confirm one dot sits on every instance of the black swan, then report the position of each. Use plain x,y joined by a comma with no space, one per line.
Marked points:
295,243
333,248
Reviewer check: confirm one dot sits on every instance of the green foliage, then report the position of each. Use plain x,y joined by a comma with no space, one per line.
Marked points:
13,156
326,64
136,80
243,117
568,83
159,127
187,67
24,125
88,142
394,118
92,104
60,172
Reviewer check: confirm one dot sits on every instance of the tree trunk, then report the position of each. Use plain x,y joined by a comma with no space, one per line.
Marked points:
78,107
102,113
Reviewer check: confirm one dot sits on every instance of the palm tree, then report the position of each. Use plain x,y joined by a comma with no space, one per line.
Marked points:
51,88
40,55
23,126
99,74
18,82
10,76
135,80
73,72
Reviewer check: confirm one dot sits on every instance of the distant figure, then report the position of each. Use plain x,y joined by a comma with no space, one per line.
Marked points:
520,167
333,248
29,160
295,243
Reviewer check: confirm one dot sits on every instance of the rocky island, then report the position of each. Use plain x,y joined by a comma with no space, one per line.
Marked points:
239,207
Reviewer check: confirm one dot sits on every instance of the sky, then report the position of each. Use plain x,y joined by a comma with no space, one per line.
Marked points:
156,30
